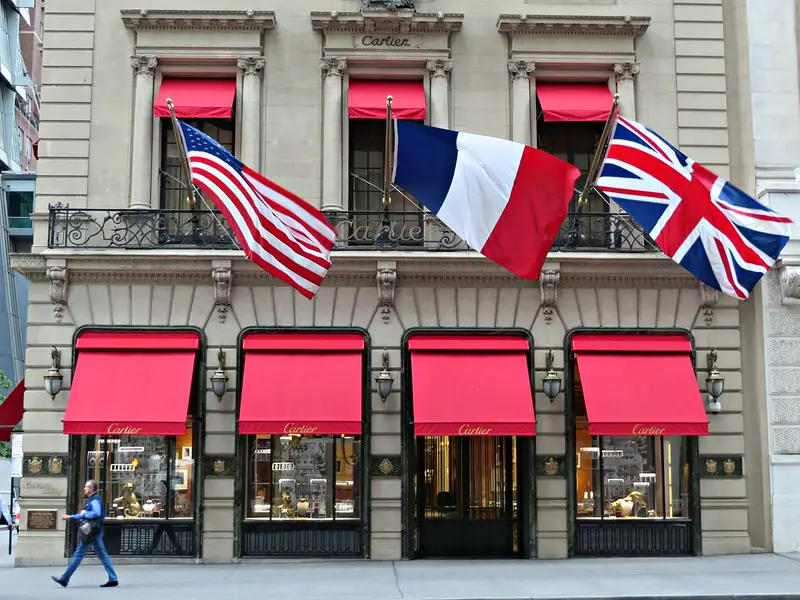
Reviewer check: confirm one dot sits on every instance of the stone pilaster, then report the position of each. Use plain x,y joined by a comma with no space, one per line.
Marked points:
144,68
522,90
252,68
332,192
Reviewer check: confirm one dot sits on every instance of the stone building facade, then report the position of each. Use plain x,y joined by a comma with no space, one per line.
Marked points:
765,154
123,271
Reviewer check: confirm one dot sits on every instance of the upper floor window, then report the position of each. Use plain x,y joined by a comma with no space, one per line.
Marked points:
569,125
401,221
173,181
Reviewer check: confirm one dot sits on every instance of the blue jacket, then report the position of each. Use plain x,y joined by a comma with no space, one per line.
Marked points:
93,509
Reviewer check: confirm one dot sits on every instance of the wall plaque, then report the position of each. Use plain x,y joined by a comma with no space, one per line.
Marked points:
42,519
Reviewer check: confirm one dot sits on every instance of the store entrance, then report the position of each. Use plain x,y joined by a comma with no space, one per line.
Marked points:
466,497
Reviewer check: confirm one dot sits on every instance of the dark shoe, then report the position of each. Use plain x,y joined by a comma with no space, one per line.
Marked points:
111,583
59,581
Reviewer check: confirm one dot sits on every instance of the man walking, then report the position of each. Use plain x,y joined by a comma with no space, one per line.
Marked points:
90,533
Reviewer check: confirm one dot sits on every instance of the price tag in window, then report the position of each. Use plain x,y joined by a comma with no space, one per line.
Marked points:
283,466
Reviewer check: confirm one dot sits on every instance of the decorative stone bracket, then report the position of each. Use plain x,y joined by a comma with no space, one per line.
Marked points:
790,285
58,278
548,281
386,278
221,276
708,300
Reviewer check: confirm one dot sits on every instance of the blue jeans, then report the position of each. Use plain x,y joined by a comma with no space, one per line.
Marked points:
80,553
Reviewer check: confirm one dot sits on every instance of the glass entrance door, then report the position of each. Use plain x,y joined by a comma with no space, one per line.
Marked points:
466,496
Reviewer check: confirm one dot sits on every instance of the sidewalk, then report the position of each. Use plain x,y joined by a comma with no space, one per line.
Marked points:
764,576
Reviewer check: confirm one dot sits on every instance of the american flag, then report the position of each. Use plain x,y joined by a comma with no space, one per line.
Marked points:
721,235
278,231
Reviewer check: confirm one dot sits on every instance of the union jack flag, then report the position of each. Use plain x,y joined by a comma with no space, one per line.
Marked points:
714,230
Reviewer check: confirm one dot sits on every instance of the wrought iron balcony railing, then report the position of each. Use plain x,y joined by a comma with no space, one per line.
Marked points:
93,228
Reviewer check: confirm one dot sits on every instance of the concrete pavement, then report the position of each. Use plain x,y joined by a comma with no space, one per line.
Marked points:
764,576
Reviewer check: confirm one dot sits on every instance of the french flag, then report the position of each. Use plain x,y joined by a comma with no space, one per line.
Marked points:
506,200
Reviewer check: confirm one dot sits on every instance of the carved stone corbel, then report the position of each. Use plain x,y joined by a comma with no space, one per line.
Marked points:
386,279
626,71
221,277
790,285
708,300
251,66
58,290
548,281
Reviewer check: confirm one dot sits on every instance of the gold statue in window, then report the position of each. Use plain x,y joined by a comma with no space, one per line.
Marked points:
625,506
128,502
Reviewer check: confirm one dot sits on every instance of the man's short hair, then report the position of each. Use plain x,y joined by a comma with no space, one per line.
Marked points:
92,484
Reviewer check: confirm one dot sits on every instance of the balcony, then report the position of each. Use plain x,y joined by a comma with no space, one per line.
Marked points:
102,229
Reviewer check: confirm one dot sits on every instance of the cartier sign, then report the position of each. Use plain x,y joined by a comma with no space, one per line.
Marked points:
640,429
294,429
119,429
467,429
43,488
385,41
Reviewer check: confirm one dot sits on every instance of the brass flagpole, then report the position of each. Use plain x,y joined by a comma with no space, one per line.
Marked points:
181,143
387,157
600,154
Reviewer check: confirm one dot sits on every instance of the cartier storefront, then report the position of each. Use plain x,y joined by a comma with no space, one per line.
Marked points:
135,420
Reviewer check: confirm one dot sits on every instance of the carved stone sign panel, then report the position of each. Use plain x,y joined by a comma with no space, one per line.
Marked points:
386,41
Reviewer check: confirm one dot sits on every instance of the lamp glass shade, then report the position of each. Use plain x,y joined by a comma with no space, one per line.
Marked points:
52,382
219,384
385,382
715,385
551,385
714,407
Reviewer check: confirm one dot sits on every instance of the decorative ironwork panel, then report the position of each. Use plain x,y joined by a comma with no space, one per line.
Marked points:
302,539
631,537
94,228
150,539
137,229
602,231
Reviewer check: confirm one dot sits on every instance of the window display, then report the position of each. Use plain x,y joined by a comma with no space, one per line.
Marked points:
303,477
629,477
143,477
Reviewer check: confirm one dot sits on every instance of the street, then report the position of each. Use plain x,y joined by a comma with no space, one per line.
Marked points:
762,575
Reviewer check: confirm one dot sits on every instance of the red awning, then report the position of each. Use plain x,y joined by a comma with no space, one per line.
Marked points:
196,98
131,384
11,411
367,99
303,383
640,385
574,101
471,385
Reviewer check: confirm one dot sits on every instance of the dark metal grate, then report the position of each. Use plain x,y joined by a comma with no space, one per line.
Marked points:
150,539
298,539
633,538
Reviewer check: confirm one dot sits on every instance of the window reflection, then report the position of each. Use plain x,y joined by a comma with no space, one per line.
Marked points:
143,477
303,477
626,477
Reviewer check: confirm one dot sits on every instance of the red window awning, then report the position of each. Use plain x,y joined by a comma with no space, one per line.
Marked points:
471,385
640,385
129,383
11,411
574,101
366,99
302,383
196,98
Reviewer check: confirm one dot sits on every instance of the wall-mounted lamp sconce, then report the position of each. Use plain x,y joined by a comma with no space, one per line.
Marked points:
384,380
219,380
53,378
551,382
715,383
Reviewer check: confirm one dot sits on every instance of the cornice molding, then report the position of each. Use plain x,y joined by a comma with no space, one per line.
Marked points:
253,20
351,268
401,21
620,26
